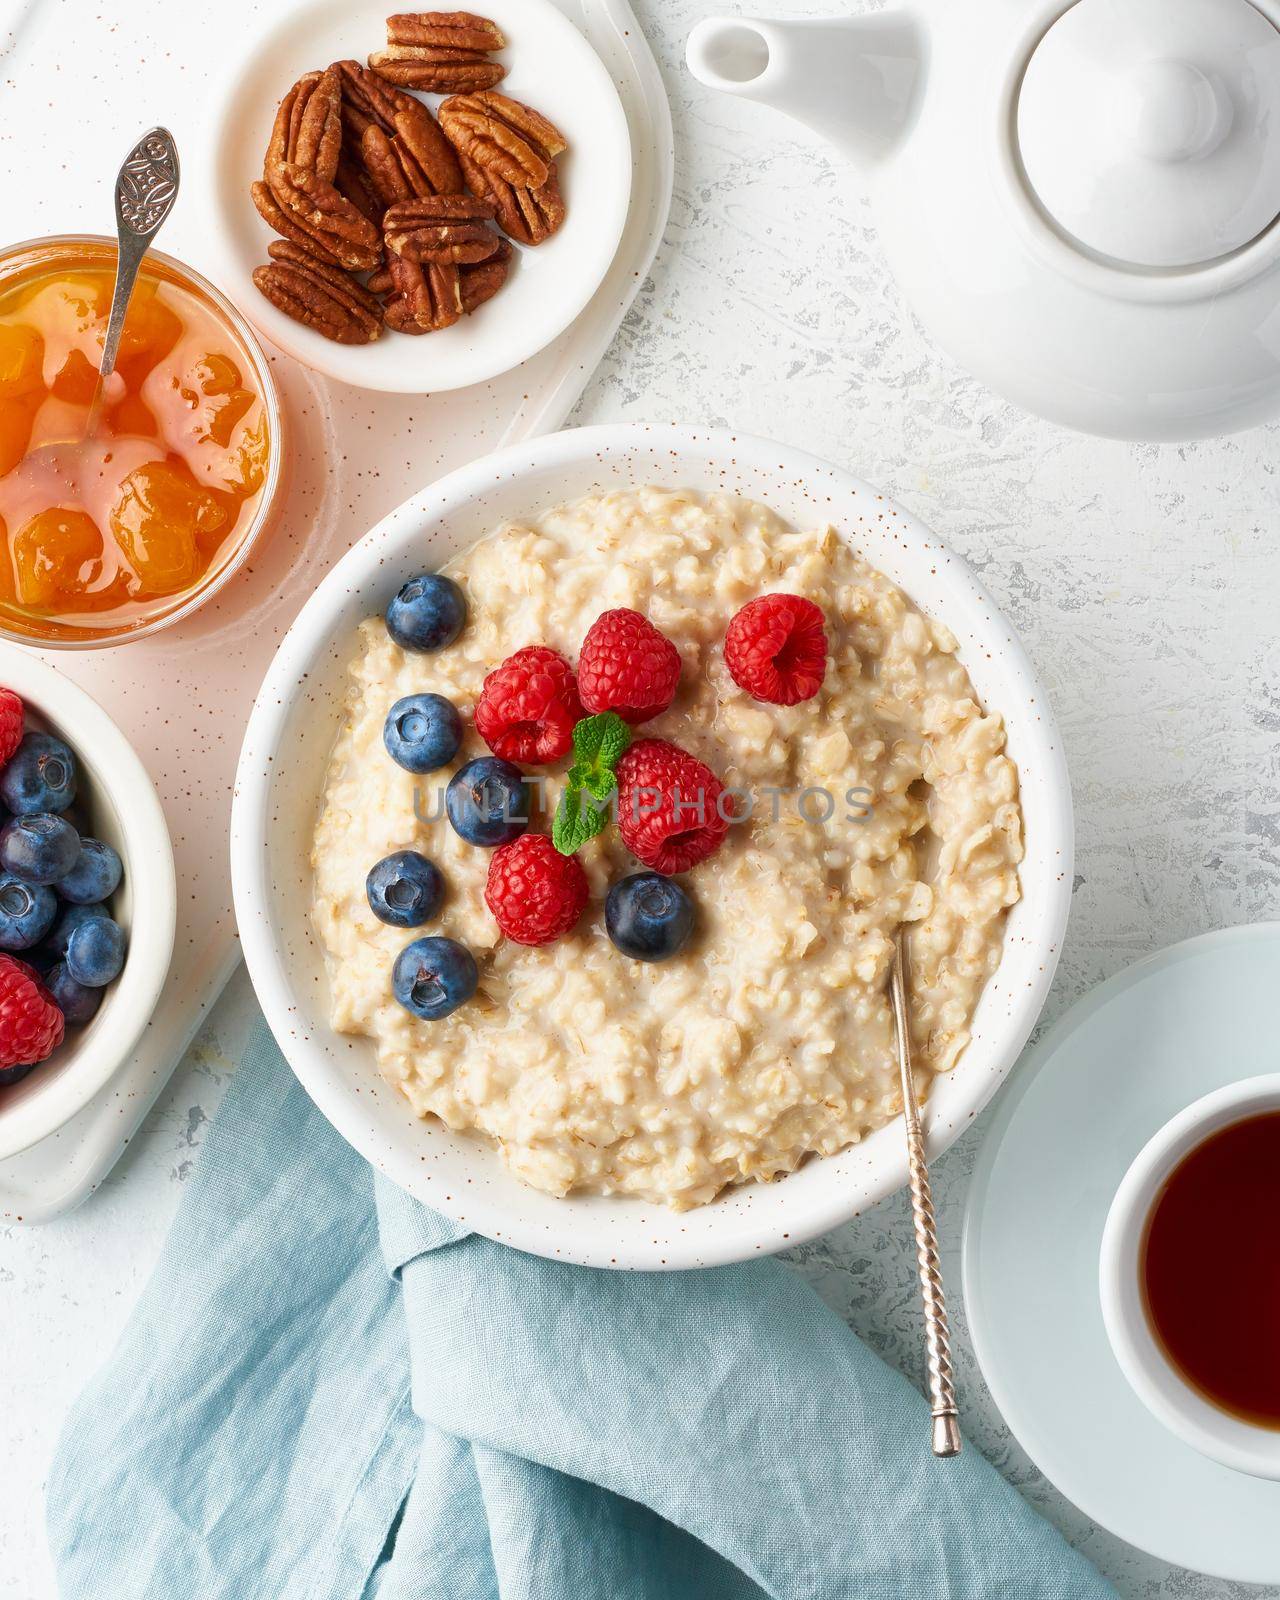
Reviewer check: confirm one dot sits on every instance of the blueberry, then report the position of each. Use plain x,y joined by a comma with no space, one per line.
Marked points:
427,614
77,1001
433,977
10,1075
487,801
27,911
42,957
77,814
40,776
648,916
95,876
404,889
56,944
38,849
422,732
95,952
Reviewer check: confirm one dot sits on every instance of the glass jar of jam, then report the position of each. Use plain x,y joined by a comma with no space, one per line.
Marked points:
110,532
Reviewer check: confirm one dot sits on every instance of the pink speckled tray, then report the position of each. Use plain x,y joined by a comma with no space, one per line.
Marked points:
184,696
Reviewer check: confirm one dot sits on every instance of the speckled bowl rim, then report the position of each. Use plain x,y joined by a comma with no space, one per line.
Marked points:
462,1176
90,1057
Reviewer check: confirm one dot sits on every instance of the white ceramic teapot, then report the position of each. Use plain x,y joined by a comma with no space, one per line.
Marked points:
1079,200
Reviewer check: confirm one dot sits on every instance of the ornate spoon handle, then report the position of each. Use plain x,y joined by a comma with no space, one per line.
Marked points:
146,187
937,1330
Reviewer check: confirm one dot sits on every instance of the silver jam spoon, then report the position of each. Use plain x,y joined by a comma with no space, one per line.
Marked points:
937,1330
146,188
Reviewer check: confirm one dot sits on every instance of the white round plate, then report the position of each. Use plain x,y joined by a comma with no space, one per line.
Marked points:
281,773
552,67
1086,1099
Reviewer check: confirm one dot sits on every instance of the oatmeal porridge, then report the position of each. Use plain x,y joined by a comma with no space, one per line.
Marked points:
886,797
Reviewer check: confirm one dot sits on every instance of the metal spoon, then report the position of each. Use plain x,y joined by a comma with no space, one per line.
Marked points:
146,188
937,1330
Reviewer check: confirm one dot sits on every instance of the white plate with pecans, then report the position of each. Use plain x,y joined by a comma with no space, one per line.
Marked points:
428,222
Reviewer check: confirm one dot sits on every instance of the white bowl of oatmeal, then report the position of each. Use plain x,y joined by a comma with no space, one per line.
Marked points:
742,1096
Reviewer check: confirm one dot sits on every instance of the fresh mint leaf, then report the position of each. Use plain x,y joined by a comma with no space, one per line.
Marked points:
579,817
599,782
598,745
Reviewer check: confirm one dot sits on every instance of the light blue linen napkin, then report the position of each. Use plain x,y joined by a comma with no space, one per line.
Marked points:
328,1392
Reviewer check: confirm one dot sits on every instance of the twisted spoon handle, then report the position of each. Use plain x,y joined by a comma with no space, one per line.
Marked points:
937,1330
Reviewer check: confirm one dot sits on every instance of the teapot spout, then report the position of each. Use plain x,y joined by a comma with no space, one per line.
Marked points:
853,80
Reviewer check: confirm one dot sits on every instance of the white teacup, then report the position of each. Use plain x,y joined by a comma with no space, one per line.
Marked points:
1217,1434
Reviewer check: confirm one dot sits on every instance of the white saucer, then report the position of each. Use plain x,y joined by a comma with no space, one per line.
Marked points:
552,67
1082,1104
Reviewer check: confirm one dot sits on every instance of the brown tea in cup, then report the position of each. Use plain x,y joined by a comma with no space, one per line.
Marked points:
1210,1268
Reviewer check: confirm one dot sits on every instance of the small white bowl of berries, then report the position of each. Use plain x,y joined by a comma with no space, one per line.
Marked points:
87,899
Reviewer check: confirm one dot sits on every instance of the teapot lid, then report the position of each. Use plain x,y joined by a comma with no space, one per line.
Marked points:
1149,130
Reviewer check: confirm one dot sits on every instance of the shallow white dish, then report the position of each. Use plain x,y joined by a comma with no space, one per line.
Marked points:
1085,1101
125,811
551,65
286,748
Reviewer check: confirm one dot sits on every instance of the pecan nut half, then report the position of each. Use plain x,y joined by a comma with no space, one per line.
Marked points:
399,317
288,226
322,211
320,297
483,280
353,183
426,297
436,70
282,129
451,30
392,171
282,250
424,139
503,136
445,228
308,126
317,140
527,215
367,101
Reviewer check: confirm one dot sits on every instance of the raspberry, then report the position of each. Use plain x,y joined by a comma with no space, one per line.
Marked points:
10,724
31,1025
669,811
528,706
626,665
776,649
534,892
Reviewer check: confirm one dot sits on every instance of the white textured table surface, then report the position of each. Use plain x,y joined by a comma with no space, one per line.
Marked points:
1143,580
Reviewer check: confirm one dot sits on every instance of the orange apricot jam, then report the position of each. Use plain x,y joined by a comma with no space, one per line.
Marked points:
105,534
